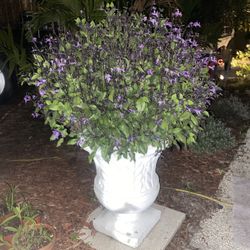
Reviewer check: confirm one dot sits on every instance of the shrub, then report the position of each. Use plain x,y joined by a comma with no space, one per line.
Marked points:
242,60
214,137
231,107
123,84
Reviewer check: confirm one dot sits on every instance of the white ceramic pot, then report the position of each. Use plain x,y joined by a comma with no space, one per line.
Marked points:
127,189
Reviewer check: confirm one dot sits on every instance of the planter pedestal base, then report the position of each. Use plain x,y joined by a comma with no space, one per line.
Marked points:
130,229
158,239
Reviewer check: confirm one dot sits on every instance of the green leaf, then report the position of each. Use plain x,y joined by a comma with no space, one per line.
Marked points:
54,106
60,141
174,98
141,103
111,95
194,120
38,58
125,129
164,124
185,116
191,139
8,219
177,131
181,138
72,141
206,113
11,229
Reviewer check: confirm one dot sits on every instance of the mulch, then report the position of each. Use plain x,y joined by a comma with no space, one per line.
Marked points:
59,181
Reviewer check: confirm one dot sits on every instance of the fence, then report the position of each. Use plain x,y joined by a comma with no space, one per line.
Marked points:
12,10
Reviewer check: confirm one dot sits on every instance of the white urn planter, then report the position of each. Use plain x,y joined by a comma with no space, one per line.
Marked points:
127,189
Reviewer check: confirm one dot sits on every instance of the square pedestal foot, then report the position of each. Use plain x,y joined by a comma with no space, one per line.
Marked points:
130,229
158,238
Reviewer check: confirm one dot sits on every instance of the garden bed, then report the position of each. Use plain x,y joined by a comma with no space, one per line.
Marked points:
59,181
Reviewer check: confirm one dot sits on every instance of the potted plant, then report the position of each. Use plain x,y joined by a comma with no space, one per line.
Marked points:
124,89
31,236
14,214
21,214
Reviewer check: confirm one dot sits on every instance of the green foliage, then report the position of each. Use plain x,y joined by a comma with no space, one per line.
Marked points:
230,107
123,84
15,55
242,61
10,203
214,137
31,236
62,14
9,199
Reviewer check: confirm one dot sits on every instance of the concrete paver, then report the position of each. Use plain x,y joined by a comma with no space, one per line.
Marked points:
158,238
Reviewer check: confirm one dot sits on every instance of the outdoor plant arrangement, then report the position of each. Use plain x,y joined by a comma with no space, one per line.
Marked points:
27,234
14,213
33,236
123,89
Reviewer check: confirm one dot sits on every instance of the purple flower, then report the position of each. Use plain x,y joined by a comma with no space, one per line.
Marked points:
49,40
84,121
145,18
60,70
177,13
55,134
78,45
73,119
119,98
34,39
158,122
117,143
54,91
157,61
108,77
153,21
194,24
213,89
27,98
40,82
60,63
169,24
176,30
40,105
42,92
212,67
196,111
131,110
80,142
141,46
150,72
35,115
118,69
154,12
131,138
194,44
161,103
186,74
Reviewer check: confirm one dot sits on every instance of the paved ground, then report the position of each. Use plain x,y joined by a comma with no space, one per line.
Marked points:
229,228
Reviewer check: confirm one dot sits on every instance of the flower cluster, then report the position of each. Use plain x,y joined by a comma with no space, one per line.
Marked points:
123,84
